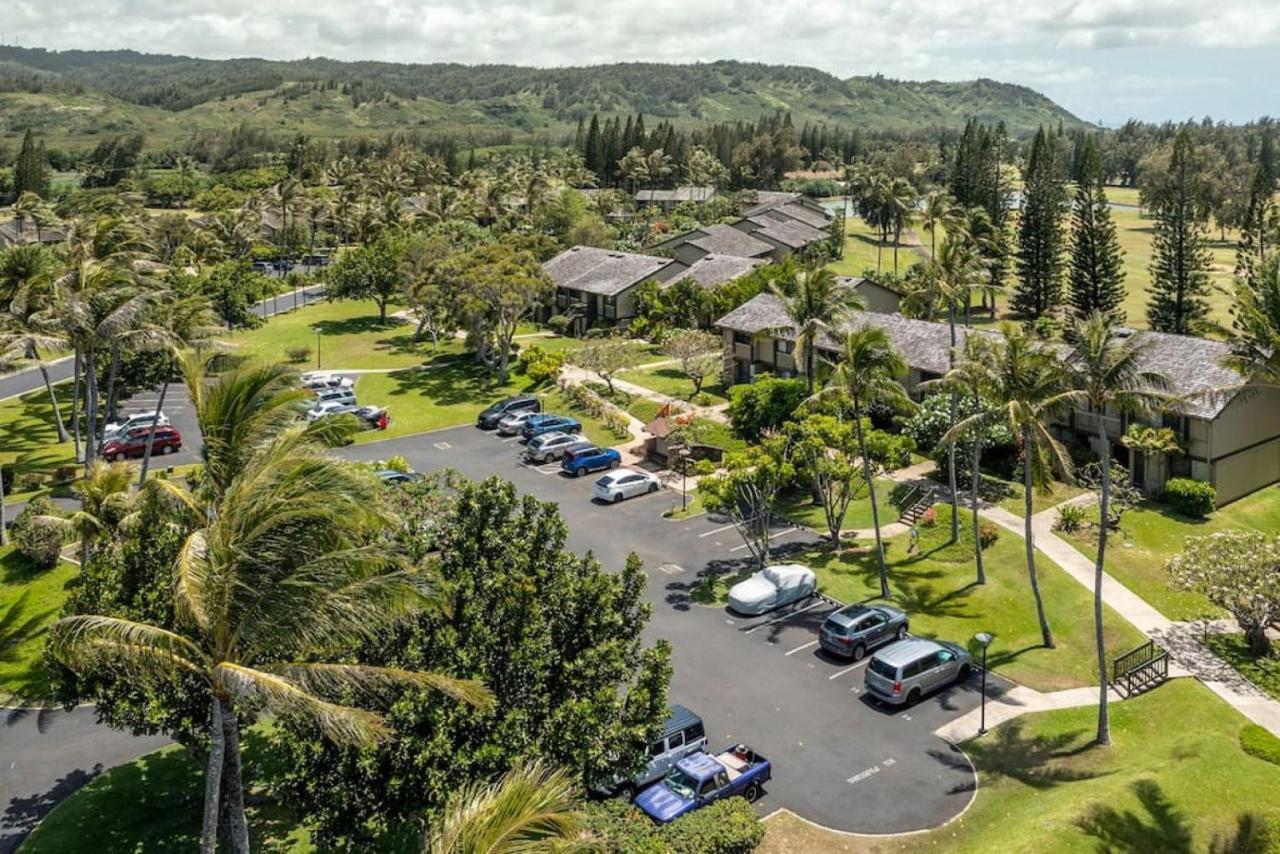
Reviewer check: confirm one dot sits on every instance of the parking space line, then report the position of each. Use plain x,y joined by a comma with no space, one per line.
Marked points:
802,646
840,673
785,617
715,531
774,537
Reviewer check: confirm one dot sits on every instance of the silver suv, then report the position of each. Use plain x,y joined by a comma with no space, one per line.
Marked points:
551,446
905,671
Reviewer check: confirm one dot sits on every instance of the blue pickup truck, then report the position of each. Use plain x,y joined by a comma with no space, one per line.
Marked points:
700,778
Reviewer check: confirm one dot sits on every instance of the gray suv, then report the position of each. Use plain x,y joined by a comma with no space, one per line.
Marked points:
907,670
855,630
552,446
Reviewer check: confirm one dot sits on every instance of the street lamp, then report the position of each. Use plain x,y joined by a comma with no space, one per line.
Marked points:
984,640
317,349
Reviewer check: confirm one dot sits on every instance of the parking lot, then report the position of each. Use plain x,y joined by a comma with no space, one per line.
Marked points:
840,759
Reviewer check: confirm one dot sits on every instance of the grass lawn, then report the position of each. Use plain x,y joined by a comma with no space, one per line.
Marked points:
1012,495
30,600
350,336
1173,779
860,245
799,508
29,437
1152,533
693,507
935,586
671,381
1263,672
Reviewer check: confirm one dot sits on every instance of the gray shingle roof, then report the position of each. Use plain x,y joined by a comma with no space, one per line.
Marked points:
770,199
9,233
712,270
724,239
808,217
679,194
787,231
1193,365
601,271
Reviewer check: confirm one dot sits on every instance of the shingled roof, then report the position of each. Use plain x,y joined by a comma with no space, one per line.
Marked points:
712,270
788,232
10,235
770,199
808,217
601,271
724,239
1193,365
679,194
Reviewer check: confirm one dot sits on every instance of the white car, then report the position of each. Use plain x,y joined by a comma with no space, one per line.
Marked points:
772,587
118,429
337,395
626,483
324,410
316,380
514,423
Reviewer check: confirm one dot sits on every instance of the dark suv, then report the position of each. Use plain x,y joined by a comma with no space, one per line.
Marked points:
492,414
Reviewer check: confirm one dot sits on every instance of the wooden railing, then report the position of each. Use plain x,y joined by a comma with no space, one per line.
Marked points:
1140,668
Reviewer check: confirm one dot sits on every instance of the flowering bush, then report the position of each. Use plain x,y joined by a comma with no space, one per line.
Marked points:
929,518
988,533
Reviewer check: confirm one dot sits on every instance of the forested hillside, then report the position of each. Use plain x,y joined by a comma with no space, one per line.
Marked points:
72,95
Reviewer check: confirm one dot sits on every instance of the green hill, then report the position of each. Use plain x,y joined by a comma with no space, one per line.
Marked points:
71,96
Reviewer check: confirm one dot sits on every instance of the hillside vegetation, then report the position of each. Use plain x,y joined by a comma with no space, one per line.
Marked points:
67,96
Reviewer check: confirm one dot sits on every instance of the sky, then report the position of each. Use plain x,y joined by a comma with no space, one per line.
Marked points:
1104,60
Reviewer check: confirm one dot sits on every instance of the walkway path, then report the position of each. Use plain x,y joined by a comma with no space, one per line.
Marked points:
574,374
1018,700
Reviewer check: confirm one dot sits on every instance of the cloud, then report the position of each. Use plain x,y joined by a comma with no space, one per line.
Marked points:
1069,44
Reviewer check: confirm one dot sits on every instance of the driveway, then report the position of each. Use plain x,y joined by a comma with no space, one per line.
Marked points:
840,759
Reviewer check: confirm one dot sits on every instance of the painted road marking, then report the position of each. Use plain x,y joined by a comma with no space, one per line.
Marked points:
671,568
784,617
840,673
441,446
715,531
802,646
771,539
871,772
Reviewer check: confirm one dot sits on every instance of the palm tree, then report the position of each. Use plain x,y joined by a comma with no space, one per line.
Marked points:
1107,374
869,371
29,328
1029,385
901,200
814,301
938,209
530,808
287,563
31,206
104,503
973,376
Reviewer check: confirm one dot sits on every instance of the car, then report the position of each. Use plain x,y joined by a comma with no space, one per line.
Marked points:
398,478
855,630
553,446
579,461
118,429
546,422
373,417
512,424
628,483
496,411
133,445
700,779
316,380
772,587
324,410
337,395
682,733
903,672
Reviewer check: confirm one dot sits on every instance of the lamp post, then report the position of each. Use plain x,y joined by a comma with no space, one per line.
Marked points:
317,350
984,640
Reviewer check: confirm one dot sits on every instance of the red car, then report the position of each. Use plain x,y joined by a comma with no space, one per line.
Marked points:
134,444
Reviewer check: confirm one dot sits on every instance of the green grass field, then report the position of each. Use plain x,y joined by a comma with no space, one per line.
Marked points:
30,600
29,437
1173,781
799,508
1151,534
669,380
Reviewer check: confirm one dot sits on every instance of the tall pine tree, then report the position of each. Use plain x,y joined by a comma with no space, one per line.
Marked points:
30,172
1096,266
1039,256
1251,252
1180,254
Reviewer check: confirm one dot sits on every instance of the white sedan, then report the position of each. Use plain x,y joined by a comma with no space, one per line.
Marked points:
316,380
512,424
772,587
626,483
324,410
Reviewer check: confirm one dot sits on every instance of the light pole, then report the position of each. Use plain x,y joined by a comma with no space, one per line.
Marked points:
984,640
317,350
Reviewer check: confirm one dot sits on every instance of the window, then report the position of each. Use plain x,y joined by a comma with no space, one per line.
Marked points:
872,621
657,749
611,306
694,732
675,740
708,786
784,347
741,338
944,656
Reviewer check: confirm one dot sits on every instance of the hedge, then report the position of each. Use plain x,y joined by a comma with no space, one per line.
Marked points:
1259,742
1189,497
37,539
729,826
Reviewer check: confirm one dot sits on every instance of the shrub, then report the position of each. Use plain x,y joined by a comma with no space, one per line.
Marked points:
297,354
1071,518
929,517
988,533
703,468
27,481
891,450
559,324
541,365
729,826
703,399
1259,742
37,539
763,405
398,463
617,423
1190,497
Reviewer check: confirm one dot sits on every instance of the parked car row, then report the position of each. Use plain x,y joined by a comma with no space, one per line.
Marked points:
335,395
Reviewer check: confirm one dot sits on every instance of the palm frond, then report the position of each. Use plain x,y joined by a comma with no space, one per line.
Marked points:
138,647
383,682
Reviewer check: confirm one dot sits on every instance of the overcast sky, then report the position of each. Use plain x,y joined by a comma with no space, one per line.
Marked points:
1105,60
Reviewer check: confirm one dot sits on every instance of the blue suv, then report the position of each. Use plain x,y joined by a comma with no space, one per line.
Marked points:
536,425
582,460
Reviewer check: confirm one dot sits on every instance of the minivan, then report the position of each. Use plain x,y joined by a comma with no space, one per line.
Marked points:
905,671
495,412
682,734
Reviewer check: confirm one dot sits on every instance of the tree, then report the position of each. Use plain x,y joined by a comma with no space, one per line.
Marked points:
429,273
700,355
1096,266
287,566
938,209
501,286
1029,387
868,372
368,272
30,169
1179,254
1255,333
1039,256
556,637
1238,571
603,357
529,808
29,328
815,302
764,405
104,503
746,490
827,448
901,200
1256,218
1107,373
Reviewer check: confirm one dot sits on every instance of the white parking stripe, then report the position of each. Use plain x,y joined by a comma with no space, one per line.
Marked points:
785,617
840,673
715,531
802,646
774,537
